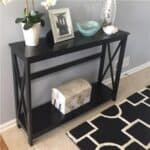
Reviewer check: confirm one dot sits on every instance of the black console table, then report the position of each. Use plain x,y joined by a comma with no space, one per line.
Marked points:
45,117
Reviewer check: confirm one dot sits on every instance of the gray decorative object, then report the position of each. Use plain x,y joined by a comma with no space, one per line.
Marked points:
71,95
110,10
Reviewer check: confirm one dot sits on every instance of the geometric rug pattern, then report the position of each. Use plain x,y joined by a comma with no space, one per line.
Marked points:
123,126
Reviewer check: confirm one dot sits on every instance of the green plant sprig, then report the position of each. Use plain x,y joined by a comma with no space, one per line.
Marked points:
30,18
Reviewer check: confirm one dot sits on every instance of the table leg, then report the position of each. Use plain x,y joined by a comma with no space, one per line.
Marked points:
29,104
16,84
119,67
102,61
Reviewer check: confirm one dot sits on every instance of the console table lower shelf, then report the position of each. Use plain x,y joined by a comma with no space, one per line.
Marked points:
46,117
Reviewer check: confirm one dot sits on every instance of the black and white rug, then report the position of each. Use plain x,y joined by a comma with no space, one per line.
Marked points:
125,126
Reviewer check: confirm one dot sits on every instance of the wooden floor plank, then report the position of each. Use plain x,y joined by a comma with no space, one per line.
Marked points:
3,145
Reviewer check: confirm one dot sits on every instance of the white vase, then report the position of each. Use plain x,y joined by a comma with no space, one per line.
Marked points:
110,10
31,36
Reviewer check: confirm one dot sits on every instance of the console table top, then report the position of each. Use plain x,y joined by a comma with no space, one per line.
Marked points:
47,50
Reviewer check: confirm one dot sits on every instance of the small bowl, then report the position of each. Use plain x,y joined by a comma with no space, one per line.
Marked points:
89,28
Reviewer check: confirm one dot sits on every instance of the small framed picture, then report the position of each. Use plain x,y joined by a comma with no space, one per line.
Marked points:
61,24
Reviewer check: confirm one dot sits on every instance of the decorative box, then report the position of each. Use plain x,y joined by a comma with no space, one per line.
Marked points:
71,95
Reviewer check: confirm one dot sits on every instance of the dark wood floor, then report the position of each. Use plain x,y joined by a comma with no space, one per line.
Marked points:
3,145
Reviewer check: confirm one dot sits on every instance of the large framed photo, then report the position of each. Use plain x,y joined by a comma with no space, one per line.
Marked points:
61,24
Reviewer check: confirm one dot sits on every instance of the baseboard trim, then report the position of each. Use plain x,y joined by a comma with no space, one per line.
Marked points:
138,68
12,123
130,72
7,125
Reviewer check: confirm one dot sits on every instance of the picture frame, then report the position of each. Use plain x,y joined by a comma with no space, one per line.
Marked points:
61,24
